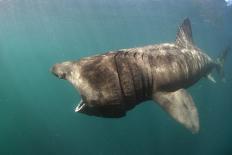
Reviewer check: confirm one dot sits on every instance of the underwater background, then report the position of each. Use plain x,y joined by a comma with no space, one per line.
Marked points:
37,109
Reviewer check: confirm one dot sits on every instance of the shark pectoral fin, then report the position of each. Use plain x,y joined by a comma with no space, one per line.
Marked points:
180,106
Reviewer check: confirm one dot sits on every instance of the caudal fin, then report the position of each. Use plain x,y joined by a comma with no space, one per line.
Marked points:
220,62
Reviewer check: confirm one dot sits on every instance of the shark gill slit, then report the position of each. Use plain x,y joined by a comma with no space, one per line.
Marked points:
119,79
133,80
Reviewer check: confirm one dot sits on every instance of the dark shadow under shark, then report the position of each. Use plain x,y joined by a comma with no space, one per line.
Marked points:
113,83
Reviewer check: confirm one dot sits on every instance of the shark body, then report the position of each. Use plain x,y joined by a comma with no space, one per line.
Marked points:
113,83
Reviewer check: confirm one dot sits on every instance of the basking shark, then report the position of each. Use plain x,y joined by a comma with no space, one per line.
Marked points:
113,83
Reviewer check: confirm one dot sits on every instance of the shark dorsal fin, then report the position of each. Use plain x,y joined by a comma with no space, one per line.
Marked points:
184,34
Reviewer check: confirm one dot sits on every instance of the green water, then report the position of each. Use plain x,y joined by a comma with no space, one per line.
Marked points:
37,110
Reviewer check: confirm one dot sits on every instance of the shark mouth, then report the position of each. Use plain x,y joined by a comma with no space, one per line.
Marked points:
80,106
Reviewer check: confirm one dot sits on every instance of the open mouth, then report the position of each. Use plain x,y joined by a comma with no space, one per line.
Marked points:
80,106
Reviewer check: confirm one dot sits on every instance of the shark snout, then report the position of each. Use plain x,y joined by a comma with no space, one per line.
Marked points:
58,71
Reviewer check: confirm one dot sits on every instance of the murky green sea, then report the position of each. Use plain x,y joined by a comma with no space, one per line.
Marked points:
37,109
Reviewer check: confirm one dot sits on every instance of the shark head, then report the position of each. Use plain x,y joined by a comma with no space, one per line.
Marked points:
62,70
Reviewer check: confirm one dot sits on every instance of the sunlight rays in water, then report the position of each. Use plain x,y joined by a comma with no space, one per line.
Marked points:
36,112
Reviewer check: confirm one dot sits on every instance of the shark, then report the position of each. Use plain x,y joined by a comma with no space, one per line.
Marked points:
113,83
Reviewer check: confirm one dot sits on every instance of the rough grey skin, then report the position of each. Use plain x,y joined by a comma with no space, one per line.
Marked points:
112,83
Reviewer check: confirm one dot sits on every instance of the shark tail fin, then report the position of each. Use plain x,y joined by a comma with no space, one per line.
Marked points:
184,34
220,62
